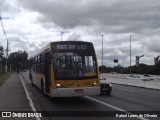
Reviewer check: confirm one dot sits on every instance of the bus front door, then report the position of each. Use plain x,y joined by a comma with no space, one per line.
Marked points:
47,72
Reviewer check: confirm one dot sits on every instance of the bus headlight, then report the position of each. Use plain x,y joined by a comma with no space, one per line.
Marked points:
94,84
58,85
110,85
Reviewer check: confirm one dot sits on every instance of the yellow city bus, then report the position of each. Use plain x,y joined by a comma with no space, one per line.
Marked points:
66,69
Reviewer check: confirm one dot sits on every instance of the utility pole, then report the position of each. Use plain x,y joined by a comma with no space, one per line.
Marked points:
7,41
102,49
130,53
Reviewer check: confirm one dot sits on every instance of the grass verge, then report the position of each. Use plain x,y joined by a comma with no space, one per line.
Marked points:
3,77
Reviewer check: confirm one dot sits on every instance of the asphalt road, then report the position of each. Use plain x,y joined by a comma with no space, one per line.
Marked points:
122,98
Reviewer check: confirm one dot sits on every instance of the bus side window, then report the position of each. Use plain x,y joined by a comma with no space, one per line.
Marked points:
42,63
38,64
48,58
34,64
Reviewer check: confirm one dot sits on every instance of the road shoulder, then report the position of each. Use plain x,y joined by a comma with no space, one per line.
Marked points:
13,96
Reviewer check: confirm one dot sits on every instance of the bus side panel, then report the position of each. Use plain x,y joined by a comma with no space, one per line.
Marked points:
97,69
53,83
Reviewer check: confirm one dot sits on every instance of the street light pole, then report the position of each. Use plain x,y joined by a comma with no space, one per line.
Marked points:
102,49
130,52
61,35
7,57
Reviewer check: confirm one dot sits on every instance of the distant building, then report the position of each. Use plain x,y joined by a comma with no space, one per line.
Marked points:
137,60
156,60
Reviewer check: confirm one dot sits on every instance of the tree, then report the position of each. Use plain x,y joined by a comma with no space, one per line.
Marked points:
18,60
142,69
2,59
1,53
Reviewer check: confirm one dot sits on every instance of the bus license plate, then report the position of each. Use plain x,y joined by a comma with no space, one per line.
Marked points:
104,89
78,90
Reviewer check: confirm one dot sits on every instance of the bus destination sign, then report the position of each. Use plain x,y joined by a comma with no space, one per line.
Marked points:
69,47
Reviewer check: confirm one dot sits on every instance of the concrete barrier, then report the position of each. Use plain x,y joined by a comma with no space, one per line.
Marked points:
118,76
122,79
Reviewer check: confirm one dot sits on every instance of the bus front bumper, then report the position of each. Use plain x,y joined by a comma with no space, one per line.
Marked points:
71,92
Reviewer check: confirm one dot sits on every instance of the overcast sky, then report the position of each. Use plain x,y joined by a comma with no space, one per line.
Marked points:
31,24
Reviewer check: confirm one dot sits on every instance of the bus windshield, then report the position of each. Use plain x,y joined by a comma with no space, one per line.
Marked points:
74,65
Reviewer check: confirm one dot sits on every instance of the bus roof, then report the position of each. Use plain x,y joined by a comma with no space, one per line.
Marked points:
46,47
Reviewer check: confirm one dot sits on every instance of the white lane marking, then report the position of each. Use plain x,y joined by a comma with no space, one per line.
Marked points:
127,90
29,98
114,107
25,75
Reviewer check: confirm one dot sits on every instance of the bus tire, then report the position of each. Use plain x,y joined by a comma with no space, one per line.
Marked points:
108,92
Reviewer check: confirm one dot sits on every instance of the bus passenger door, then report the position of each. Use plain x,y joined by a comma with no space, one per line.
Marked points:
47,72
